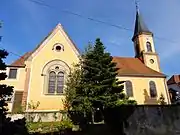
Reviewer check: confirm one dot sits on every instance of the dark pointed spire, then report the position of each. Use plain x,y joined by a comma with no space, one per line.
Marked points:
140,26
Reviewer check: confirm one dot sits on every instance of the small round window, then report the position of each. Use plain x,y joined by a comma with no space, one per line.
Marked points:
57,68
58,48
152,61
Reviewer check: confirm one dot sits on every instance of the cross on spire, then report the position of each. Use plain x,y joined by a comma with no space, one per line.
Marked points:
140,26
137,5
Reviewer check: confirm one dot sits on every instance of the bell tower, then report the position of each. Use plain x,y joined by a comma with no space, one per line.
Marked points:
144,44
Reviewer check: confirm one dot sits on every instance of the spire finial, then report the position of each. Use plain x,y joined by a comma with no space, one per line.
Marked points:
137,6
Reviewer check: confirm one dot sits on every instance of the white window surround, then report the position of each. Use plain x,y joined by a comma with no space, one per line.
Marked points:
129,88
58,45
17,74
152,89
50,66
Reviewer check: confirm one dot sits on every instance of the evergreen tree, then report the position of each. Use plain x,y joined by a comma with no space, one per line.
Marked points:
5,91
72,83
98,87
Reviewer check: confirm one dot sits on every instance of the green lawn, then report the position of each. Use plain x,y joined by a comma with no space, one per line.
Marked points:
48,127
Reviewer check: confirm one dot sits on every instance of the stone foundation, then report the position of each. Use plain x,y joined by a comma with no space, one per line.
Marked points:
39,116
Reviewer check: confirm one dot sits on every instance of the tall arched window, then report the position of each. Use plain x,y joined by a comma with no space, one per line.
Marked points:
54,73
153,91
60,82
129,89
149,47
52,82
56,82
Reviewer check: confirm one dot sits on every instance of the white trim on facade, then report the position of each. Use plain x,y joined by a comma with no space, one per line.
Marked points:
61,30
44,110
29,84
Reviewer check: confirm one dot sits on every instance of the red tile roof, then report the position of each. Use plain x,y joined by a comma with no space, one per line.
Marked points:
175,79
134,67
127,66
21,61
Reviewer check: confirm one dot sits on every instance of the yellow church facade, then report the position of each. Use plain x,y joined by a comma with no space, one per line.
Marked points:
40,75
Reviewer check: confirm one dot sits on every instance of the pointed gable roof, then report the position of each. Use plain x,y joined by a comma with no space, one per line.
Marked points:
140,26
21,61
175,79
61,29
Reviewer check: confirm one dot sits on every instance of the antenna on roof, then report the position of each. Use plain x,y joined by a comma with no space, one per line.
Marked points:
137,5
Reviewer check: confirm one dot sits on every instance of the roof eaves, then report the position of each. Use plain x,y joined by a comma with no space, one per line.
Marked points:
142,75
71,40
59,25
18,66
42,41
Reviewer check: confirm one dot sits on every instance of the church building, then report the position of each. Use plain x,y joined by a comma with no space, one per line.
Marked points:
39,75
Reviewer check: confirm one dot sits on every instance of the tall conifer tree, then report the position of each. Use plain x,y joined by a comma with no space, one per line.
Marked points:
5,91
98,87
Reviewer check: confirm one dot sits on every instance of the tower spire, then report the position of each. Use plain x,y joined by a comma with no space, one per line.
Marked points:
140,26
137,6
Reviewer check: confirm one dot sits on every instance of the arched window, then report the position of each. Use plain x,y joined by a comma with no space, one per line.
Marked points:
129,89
153,91
54,73
56,82
52,82
149,47
60,82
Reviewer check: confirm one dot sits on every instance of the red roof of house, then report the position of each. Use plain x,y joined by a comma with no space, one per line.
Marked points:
175,79
21,61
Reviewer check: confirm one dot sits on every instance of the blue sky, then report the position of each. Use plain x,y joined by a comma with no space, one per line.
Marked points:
25,24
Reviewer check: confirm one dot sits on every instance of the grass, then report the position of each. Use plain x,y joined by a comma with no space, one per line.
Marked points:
48,127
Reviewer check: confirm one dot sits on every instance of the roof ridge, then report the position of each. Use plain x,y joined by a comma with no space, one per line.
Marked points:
124,57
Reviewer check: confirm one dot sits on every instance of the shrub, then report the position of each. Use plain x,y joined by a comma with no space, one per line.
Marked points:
49,127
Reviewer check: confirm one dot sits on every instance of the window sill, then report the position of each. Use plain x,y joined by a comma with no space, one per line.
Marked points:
49,94
154,98
12,79
9,102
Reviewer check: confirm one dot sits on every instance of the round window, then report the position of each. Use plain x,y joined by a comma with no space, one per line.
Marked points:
58,48
56,67
152,61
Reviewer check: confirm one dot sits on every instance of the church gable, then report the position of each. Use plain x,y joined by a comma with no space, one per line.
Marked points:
50,64
56,43
60,42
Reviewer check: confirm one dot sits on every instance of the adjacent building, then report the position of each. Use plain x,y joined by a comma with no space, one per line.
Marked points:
174,83
174,88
